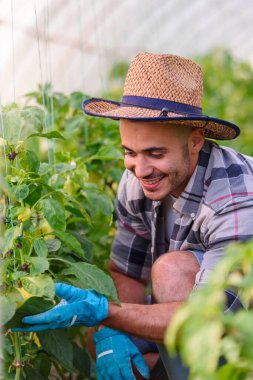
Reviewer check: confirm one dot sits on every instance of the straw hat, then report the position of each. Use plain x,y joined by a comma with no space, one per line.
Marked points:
163,87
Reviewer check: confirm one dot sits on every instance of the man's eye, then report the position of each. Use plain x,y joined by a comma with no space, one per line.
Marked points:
156,155
128,153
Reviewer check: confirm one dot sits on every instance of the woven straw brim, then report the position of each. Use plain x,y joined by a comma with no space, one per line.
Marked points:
213,128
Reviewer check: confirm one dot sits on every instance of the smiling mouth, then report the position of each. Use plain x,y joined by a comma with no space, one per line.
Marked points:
152,181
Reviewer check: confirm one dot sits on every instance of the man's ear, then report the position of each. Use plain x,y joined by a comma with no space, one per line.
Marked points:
196,140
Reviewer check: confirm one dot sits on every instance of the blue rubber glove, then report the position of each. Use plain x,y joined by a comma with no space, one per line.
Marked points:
114,352
77,308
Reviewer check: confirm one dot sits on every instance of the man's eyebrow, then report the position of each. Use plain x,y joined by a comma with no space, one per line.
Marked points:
157,148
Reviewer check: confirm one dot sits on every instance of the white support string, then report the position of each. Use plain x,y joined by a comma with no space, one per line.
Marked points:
13,53
50,66
96,28
7,200
39,54
80,37
50,126
4,143
50,149
82,61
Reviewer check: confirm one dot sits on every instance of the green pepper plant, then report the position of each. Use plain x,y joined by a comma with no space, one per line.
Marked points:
57,182
213,343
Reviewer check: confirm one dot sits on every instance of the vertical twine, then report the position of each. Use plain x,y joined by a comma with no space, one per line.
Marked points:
8,205
50,67
50,158
13,53
96,28
50,126
3,134
39,55
80,37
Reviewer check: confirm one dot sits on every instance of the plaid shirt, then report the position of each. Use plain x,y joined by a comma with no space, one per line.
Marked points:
215,209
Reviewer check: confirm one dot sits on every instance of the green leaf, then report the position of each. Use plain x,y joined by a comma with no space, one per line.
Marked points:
49,135
231,372
20,192
34,194
8,308
54,213
41,286
40,369
242,322
81,360
40,247
29,161
58,344
34,118
14,295
53,245
4,187
203,344
31,373
70,241
16,276
7,346
100,202
172,332
107,153
63,168
230,348
31,306
39,265
11,125
76,98
79,208
73,124
10,235
87,276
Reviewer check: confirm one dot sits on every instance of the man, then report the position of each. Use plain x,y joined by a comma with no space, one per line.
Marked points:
181,200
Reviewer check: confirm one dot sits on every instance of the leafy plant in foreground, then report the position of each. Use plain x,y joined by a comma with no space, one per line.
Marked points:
203,333
47,210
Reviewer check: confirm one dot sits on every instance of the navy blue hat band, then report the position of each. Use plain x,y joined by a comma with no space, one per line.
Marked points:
160,104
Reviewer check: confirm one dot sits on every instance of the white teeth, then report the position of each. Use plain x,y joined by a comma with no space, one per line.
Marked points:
152,182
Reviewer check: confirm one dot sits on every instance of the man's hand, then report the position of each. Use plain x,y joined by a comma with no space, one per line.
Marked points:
114,353
77,308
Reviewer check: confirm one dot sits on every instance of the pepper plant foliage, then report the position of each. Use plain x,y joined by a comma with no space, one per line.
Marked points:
58,181
228,94
204,334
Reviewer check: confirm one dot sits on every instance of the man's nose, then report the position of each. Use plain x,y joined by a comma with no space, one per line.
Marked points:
142,168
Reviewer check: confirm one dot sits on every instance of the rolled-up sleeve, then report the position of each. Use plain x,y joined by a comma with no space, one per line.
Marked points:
231,223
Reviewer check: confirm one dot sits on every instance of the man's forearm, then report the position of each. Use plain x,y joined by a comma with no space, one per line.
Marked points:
133,316
144,321
130,290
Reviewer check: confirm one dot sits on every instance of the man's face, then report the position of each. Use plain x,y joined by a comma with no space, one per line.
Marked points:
160,156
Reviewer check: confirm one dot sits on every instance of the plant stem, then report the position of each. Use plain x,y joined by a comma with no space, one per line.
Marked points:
17,360
52,273
44,196
58,259
59,370
21,249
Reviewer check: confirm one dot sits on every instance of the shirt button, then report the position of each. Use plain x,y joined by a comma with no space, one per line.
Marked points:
193,215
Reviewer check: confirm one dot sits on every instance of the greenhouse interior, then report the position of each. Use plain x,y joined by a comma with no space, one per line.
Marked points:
62,212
